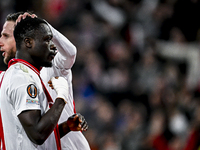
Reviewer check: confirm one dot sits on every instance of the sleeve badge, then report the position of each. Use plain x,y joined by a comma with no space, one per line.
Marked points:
32,90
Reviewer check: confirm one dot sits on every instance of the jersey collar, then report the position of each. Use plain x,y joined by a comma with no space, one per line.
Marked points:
14,61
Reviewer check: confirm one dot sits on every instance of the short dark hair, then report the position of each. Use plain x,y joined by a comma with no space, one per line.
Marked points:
27,28
14,16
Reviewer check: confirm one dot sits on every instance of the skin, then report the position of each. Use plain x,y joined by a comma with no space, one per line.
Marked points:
38,127
7,41
41,51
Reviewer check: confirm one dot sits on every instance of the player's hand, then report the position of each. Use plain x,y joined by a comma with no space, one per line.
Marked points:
24,16
60,85
77,123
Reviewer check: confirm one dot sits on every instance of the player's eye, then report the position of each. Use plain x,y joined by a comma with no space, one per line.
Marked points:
48,39
5,35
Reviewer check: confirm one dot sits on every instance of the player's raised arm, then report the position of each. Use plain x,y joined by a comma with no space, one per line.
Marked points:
66,50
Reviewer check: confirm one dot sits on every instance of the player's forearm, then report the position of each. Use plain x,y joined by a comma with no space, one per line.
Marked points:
50,119
39,129
63,129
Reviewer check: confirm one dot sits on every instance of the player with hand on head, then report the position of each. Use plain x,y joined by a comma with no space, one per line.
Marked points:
62,64
24,98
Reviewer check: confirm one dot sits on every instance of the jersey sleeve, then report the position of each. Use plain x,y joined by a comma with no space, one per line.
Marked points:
66,55
24,94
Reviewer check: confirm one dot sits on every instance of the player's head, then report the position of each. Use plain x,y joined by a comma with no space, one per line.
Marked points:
7,41
34,42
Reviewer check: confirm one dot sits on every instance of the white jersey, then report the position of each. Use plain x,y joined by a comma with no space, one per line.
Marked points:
22,90
62,64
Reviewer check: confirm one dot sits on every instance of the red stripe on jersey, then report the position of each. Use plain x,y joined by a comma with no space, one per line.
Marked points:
74,107
2,142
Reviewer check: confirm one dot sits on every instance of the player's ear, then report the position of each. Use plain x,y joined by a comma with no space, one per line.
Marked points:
28,42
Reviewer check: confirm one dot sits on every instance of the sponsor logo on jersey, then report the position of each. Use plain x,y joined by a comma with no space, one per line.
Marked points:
32,101
23,68
32,90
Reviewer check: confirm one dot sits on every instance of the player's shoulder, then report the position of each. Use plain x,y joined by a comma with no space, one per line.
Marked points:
19,74
21,68
19,71
1,74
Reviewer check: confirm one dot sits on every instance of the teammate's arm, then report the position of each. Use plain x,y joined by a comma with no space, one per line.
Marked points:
74,123
66,55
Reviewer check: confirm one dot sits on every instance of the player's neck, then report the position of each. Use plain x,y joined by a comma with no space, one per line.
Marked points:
27,58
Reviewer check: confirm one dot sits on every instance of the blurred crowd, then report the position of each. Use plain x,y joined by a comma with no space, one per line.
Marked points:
137,73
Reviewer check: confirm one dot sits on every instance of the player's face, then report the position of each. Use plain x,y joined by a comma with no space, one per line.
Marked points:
7,41
44,49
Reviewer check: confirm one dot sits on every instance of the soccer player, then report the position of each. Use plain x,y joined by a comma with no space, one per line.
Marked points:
62,64
28,117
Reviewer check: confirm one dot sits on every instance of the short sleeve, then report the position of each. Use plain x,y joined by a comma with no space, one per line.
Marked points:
25,97
24,93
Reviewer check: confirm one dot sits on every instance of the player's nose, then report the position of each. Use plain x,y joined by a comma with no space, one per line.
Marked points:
1,44
53,47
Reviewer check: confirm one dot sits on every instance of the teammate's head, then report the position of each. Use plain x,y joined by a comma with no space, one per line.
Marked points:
33,42
7,41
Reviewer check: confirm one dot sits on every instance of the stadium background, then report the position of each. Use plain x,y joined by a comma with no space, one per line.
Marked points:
136,76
